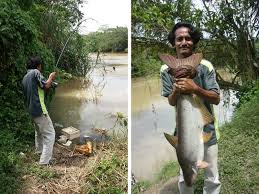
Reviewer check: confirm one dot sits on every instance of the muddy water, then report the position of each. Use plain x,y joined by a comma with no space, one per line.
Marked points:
151,116
92,102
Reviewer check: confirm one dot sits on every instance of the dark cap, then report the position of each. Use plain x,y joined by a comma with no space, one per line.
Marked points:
34,62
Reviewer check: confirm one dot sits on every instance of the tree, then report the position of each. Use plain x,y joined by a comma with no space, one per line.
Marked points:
108,40
230,29
232,24
29,28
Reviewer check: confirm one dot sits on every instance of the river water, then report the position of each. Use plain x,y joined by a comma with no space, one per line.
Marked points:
93,101
151,116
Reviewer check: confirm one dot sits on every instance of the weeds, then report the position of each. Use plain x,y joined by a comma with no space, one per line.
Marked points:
103,172
239,152
141,186
109,175
42,172
168,171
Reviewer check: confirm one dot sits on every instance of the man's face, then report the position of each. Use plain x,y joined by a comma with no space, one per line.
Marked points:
183,42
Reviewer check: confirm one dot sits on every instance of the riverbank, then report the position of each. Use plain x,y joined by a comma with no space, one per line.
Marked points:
106,170
103,172
238,155
93,101
17,137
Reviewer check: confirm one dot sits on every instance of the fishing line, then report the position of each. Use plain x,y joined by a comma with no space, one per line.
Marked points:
75,29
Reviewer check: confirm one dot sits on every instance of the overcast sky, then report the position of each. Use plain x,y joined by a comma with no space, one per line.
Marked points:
105,12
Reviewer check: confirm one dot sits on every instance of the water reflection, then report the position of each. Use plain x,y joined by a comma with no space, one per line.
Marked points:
85,104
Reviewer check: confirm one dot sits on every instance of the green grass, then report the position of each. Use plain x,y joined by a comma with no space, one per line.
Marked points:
169,170
239,152
109,174
41,172
141,186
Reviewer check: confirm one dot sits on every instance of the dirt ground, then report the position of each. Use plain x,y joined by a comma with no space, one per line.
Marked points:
67,175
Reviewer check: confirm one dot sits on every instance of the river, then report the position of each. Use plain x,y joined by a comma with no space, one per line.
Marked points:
93,101
151,116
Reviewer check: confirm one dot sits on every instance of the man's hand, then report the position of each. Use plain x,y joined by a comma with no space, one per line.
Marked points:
52,76
185,86
188,86
50,80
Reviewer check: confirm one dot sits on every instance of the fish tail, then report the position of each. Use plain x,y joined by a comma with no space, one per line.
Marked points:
169,60
190,178
193,60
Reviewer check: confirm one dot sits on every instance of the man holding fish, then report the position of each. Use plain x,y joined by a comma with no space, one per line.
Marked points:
189,83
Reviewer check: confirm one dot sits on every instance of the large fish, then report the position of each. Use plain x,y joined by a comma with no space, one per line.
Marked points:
191,117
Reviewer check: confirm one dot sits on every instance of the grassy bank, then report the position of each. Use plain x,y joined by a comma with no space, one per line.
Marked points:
238,153
168,171
239,150
103,172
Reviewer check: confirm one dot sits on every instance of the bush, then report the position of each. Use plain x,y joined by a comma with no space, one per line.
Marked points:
22,35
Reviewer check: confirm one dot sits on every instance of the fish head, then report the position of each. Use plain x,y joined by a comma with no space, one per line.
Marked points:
190,175
184,71
189,169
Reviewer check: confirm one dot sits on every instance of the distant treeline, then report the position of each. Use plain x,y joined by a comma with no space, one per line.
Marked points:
108,40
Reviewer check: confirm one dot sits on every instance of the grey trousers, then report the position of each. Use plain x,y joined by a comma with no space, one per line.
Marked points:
211,182
44,138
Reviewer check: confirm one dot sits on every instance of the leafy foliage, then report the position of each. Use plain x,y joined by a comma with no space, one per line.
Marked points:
247,92
108,40
31,28
230,31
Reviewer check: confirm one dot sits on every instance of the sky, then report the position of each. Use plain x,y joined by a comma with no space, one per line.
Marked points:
99,13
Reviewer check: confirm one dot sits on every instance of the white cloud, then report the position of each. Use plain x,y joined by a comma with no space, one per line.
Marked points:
111,13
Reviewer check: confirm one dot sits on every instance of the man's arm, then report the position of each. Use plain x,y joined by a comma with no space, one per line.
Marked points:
209,95
50,80
187,86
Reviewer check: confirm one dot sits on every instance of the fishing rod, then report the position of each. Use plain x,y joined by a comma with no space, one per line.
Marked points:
63,49
55,84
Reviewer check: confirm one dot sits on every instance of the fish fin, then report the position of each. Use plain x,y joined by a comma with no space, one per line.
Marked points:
206,115
171,61
206,136
173,140
194,60
202,164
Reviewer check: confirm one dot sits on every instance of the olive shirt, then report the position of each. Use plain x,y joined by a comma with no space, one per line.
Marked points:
33,88
206,79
